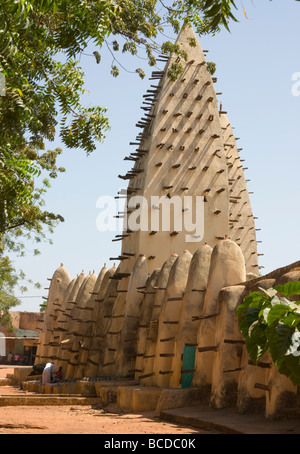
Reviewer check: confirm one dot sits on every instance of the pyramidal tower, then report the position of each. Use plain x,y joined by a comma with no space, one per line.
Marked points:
187,185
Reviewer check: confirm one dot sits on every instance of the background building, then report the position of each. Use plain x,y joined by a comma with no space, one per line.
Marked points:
23,339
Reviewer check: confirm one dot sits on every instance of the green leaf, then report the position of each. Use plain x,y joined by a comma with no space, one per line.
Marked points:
289,366
97,56
250,317
289,289
254,299
211,67
292,320
257,341
208,3
115,46
140,72
277,313
115,71
214,10
284,334
271,334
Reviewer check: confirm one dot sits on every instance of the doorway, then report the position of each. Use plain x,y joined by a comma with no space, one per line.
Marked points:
188,364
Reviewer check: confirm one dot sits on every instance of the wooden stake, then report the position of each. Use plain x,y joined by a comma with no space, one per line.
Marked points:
207,349
168,339
261,386
141,377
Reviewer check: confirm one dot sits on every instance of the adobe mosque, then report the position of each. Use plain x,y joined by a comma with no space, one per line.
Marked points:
160,329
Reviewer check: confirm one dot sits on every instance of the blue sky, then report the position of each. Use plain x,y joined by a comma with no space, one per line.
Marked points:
255,66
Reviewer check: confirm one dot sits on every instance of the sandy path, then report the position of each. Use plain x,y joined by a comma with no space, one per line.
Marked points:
82,420
79,419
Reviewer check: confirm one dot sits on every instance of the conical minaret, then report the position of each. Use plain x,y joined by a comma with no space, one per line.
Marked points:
185,154
241,220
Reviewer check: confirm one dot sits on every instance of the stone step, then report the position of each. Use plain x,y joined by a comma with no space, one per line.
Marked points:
293,412
10,375
228,421
84,388
8,381
47,399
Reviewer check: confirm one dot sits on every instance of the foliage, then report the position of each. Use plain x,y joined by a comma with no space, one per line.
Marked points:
8,281
207,16
269,321
41,42
211,67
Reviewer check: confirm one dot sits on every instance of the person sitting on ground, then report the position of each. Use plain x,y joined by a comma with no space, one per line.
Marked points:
10,357
25,359
47,373
58,375
16,358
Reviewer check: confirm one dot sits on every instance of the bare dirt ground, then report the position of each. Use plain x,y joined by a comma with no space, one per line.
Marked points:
80,419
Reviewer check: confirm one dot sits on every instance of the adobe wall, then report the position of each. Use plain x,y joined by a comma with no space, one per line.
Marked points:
165,317
205,318
23,320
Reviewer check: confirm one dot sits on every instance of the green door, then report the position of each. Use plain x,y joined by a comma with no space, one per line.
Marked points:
188,363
